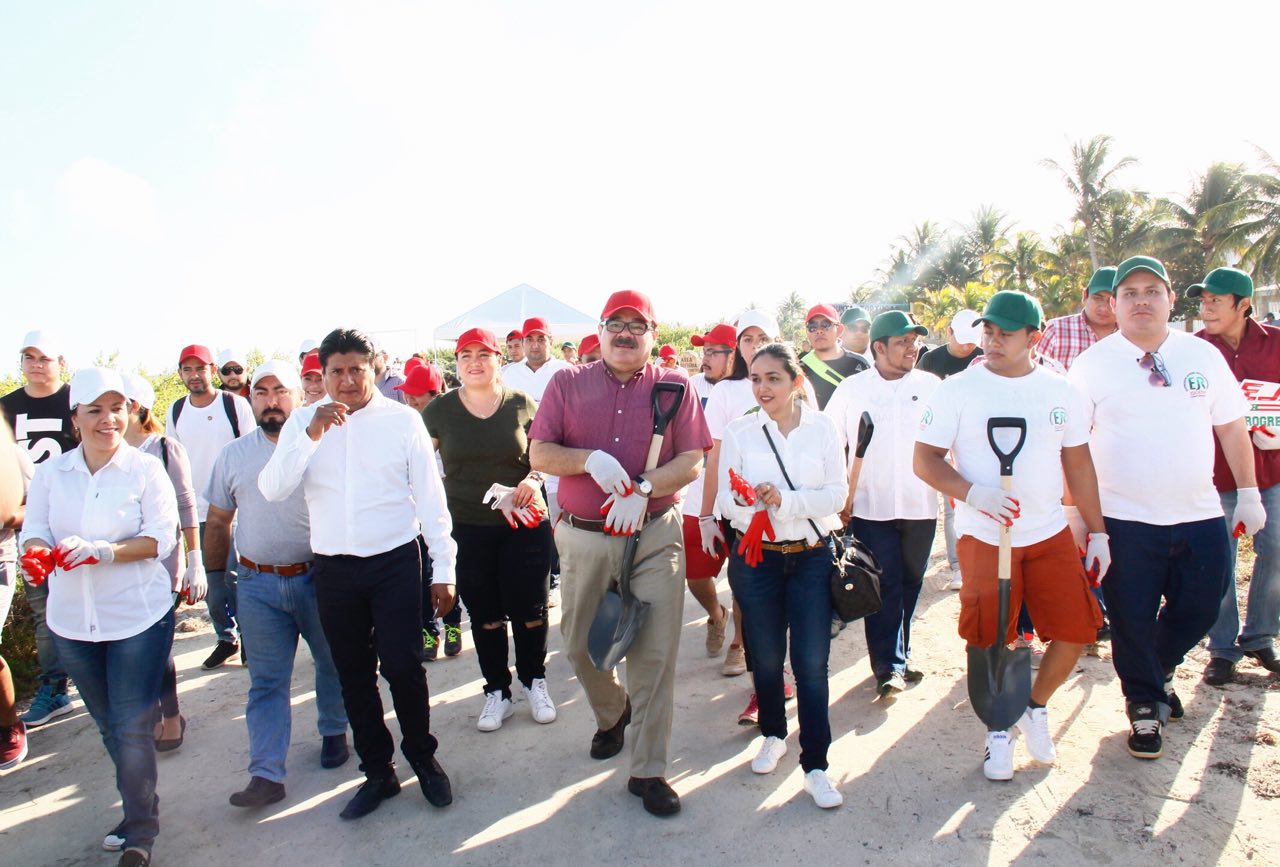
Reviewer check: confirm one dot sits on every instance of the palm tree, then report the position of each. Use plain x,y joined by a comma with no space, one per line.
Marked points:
1016,265
986,229
897,270
1067,258
1089,180
1058,295
952,263
791,318
1196,237
1127,224
1259,231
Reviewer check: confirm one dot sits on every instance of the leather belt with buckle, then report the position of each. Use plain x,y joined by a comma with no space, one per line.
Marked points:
598,526
790,547
288,571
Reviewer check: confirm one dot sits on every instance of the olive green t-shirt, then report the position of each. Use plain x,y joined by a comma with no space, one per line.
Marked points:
477,452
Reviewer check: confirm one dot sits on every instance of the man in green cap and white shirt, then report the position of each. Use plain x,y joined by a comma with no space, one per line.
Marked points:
1156,398
857,332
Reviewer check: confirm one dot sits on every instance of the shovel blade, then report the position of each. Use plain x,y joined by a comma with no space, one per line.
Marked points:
617,623
999,684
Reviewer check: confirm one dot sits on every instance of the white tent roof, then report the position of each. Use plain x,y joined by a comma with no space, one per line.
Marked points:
510,309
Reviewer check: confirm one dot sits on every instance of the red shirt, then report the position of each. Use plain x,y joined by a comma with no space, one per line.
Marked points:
587,408
1257,357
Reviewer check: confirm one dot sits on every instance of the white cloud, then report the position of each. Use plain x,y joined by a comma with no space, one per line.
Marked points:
110,199
20,221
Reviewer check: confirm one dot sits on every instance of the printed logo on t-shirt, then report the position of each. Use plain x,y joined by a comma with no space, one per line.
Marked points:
1196,385
926,418
1058,417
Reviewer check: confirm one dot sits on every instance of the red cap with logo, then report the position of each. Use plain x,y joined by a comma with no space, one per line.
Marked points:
720,335
420,380
536,325
311,363
589,344
412,364
478,335
196,351
667,351
823,310
629,299
514,334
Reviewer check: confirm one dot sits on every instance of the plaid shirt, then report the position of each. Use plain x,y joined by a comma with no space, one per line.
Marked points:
1065,338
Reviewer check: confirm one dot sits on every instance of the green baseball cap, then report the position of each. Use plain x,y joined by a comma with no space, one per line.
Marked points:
894,323
1139,263
852,315
1102,281
1010,310
1224,281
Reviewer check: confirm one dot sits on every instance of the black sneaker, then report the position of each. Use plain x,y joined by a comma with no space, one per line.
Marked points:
221,653
435,783
1171,697
1219,671
1145,741
430,645
912,676
370,795
258,793
452,640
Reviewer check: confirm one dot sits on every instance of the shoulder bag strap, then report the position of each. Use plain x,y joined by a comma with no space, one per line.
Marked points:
783,467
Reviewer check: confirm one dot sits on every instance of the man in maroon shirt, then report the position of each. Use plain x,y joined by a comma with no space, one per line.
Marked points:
593,429
1253,352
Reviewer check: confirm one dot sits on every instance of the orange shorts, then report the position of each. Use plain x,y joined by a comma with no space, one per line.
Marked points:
1048,575
697,564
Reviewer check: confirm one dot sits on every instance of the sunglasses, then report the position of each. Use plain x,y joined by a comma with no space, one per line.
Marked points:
232,370
1159,374
819,326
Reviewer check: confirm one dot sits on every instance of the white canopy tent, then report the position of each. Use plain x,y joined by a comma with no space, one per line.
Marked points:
508,310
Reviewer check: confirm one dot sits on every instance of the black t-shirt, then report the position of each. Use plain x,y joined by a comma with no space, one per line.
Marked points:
41,425
846,366
941,363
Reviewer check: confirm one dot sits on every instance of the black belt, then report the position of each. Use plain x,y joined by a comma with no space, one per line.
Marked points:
598,526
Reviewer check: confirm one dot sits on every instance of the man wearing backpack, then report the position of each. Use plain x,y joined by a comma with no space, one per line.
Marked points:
204,421
829,363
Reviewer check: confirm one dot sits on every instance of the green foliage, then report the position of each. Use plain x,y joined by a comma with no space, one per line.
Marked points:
18,645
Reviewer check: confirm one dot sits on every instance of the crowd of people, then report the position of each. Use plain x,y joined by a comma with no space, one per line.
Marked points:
362,509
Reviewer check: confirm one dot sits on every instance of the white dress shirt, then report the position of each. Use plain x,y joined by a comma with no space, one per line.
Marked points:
522,377
888,488
814,458
128,497
371,484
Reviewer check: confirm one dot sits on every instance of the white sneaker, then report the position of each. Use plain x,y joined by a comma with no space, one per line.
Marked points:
496,709
956,581
540,703
767,759
553,597
824,793
998,764
1034,725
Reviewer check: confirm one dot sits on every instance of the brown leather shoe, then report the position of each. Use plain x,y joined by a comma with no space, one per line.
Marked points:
659,798
607,743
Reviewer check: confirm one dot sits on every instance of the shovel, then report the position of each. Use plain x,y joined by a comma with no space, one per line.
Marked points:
621,614
866,427
1000,678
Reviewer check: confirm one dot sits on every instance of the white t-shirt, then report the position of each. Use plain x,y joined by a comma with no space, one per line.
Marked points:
1153,446
692,502
731,399
956,419
203,431
532,382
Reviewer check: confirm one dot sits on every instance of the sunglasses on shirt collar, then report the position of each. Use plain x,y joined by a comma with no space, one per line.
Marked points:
1159,374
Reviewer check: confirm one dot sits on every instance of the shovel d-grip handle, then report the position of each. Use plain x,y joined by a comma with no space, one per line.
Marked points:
866,427
1006,423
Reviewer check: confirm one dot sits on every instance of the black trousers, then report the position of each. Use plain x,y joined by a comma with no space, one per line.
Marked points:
370,608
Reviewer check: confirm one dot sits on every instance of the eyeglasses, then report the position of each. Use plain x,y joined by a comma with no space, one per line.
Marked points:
1159,373
717,352
636,327
819,326
232,370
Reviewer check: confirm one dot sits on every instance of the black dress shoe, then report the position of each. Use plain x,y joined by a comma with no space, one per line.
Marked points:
607,743
1266,657
258,793
912,676
370,796
435,783
1219,671
659,798
333,751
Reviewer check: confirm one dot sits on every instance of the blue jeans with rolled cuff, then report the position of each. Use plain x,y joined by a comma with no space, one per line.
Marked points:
1262,616
902,547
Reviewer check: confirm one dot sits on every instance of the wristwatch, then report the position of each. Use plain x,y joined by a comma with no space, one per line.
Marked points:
644,487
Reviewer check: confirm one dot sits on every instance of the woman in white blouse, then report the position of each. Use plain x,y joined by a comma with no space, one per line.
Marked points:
784,585
106,515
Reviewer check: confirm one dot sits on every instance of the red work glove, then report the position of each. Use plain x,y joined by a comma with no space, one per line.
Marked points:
741,488
751,547
37,562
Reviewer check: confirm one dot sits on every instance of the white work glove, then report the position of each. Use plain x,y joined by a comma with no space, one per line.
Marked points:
1249,516
74,551
195,581
712,536
1000,506
1265,439
1075,523
622,515
1097,557
609,474
502,499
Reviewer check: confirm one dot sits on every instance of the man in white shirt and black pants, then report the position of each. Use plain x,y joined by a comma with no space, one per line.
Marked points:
370,477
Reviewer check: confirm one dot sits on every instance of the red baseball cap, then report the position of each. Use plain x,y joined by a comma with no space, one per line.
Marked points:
420,380
629,299
536,325
823,310
196,351
478,335
720,335
412,364
589,344
667,351
514,334
311,363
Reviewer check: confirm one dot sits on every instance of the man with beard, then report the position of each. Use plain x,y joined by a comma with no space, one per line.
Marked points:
204,421
828,363
275,596
233,372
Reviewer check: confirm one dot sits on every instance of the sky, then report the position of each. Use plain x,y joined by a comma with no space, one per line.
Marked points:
250,174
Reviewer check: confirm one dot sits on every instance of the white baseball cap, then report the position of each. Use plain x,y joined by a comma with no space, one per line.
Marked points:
137,389
227,356
45,341
966,327
758,319
91,383
307,345
282,370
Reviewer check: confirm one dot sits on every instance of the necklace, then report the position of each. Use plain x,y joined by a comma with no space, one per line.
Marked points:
493,407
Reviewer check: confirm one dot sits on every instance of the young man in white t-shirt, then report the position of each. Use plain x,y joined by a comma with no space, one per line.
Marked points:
1156,398
1046,567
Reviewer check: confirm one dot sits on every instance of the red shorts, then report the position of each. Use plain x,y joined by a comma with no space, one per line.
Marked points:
1048,575
697,564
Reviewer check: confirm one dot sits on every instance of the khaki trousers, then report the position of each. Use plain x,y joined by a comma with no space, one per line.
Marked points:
589,563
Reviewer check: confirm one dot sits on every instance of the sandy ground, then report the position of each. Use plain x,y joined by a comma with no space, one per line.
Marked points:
910,771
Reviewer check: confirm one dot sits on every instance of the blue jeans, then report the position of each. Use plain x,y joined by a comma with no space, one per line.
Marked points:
274,611
1185,565
1262,619
221,597
119,682
789,590
902,547
51,668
